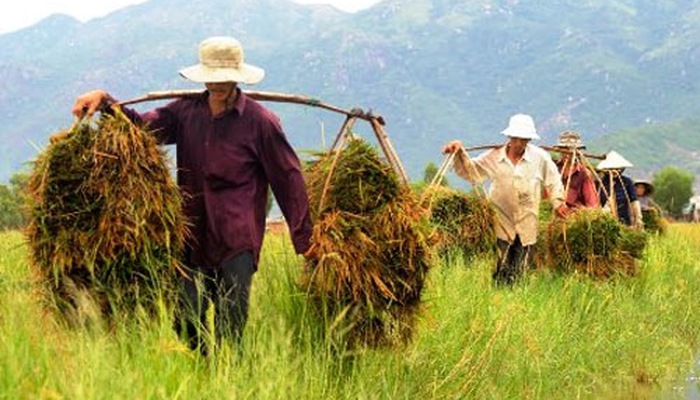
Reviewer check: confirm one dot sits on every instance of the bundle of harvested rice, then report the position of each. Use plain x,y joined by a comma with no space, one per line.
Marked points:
653,221
370,249
464,222
361,181
105,217
593,242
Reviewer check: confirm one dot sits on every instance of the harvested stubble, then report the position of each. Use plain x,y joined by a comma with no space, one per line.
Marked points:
465,222
591,241
106,221
370,249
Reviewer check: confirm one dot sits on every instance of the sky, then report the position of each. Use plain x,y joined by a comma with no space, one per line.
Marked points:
24,13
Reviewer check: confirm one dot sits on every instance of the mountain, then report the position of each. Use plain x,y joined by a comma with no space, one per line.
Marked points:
434,69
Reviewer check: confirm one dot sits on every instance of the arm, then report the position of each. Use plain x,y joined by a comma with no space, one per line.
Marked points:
283,171
553,186
636,215
464,166
161,121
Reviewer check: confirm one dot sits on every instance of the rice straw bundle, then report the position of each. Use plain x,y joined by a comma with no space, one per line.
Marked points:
593,242
370,248
464,222
654,222
105,217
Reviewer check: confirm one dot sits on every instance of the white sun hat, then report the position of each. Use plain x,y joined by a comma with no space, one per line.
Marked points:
221,60
613,160
521,126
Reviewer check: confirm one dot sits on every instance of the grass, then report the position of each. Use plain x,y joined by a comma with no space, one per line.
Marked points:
553,336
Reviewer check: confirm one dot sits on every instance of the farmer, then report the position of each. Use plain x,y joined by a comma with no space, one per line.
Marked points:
229,149
644,189
519,172
617,192
577,180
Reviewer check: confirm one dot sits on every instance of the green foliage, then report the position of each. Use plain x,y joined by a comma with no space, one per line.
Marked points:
548,338
12,202
431,170
673,189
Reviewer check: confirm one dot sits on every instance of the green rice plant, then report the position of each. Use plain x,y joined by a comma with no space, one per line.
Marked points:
465,222
553,336
105,225
654,222
593,242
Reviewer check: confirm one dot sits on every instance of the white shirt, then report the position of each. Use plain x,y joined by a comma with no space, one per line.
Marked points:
516,190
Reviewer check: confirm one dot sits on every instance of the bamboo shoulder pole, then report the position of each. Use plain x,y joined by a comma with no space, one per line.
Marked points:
545,147
260,96
389,150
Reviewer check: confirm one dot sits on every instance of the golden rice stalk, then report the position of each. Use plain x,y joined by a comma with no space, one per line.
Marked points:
369,257
593,242
105,215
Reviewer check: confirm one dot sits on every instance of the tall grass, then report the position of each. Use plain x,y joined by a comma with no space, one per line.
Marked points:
553,336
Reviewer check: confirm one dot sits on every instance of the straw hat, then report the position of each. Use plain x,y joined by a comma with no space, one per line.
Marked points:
521,126
570,139
221,60
613,160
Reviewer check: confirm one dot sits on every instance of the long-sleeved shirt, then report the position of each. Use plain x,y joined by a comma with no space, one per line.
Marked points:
225,164
623,193
579,186
515,190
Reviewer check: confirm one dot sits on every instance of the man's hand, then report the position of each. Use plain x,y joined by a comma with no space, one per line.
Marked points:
88,103
452,147
562,211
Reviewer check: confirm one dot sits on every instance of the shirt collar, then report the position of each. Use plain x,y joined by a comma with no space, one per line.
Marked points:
238,104
527,156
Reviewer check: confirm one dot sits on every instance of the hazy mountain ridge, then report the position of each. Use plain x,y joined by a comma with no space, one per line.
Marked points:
435,69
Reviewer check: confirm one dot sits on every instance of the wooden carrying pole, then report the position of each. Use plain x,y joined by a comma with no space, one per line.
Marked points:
548,148
376,121
256,95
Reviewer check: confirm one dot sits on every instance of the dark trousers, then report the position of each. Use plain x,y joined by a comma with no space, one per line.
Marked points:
513,260
227,289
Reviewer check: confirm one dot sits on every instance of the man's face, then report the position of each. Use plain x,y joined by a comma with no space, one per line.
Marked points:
518,144
220,91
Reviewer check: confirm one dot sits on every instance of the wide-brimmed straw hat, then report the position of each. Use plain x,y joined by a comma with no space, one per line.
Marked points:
521,126
570,139
613,160
221,60
649,187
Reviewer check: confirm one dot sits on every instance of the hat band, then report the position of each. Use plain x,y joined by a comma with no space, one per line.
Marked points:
235,64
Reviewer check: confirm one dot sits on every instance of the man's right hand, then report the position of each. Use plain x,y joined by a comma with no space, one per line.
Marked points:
88,103
452,147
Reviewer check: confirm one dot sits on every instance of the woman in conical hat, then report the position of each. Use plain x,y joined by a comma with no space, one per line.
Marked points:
617,192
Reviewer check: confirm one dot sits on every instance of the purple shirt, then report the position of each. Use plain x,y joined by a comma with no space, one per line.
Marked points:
225,164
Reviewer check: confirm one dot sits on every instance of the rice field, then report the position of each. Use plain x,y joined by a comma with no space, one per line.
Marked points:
551,337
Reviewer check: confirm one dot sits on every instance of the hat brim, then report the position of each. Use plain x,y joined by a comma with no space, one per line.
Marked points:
648,186
520,134
246,73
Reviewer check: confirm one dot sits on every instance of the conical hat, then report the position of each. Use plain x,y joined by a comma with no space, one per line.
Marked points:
613,160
